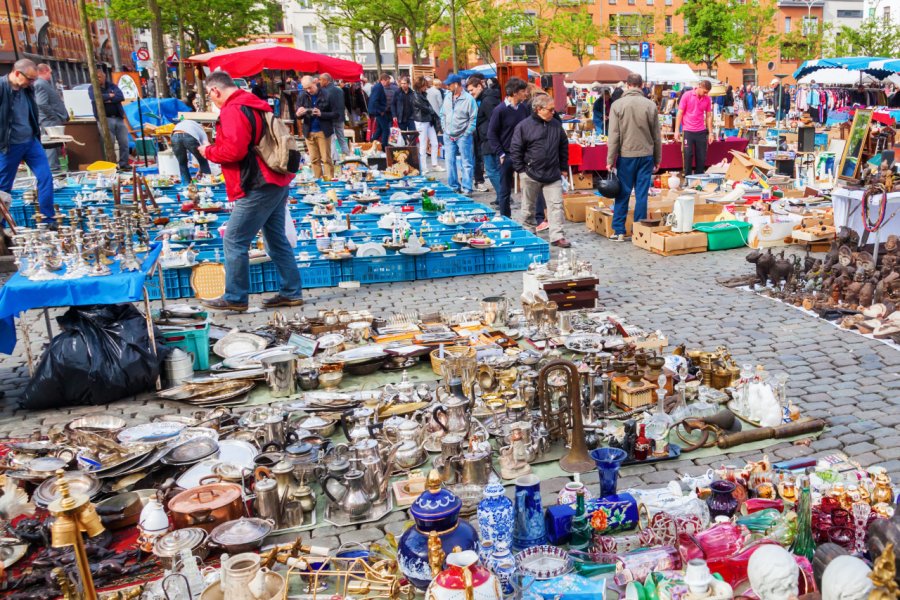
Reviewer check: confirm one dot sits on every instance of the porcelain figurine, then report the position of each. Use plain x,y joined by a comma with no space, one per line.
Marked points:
495,515
464,579
773,573
437,531
846,578
512,467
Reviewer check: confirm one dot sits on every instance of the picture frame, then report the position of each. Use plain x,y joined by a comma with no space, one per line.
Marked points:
849,167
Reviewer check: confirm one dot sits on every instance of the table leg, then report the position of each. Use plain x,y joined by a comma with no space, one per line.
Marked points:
47,321
26,339
149,318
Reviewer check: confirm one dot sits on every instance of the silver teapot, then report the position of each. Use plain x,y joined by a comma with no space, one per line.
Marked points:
352,497
453,416
401,429
358,423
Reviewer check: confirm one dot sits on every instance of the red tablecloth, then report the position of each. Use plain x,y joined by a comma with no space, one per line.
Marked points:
593,158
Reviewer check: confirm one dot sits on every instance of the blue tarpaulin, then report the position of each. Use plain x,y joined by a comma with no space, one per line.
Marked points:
156,111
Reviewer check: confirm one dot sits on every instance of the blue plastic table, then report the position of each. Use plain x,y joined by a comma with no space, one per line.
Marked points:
21,294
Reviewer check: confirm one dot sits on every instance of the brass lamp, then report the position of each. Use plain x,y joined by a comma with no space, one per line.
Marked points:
75,515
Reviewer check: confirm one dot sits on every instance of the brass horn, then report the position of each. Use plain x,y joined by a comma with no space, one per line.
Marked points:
577,459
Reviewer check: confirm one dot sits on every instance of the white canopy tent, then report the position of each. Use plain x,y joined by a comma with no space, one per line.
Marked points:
658,72
838,77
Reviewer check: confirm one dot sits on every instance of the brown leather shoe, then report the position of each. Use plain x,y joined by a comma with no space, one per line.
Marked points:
562,243
279,300
223,304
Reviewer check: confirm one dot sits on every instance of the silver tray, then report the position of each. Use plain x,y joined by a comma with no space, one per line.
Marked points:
341,519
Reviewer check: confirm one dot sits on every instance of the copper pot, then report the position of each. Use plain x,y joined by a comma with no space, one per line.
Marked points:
207,506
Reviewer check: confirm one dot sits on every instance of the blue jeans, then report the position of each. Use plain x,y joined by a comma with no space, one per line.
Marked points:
262,208
504,192
492,170
382,129
634,174
465,148
182,143
33,154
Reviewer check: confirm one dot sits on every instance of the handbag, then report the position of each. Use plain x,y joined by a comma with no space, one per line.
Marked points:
609,187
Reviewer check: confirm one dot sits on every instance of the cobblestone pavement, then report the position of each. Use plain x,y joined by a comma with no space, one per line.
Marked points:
851,381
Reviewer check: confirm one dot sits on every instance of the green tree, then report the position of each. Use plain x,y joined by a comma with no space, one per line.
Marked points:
875,37
482,26
797,46
355,17
710,32
575,31
416,17
755,32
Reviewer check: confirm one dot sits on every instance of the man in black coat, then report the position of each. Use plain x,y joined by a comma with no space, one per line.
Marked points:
503,123
338,107
487,99
540,150
402,105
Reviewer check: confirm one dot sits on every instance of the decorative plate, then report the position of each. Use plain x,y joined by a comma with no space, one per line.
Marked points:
150,432
370,249
330,340
237,343
544,562
191,451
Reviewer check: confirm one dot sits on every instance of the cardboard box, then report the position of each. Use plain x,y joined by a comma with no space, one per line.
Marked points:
661,240
600,221
575,205
583,181
705,213
742,166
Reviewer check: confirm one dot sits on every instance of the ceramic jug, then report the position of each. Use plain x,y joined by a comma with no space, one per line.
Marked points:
528,528
464,579
495,515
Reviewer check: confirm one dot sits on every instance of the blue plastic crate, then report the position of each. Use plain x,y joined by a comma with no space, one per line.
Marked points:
451,263
256,279
516,257
317,273
177,282
22,214
382,269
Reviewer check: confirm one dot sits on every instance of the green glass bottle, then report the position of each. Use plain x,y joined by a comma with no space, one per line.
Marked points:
581,526
804,544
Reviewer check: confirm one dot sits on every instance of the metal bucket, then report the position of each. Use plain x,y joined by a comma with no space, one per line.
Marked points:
281,372
178,366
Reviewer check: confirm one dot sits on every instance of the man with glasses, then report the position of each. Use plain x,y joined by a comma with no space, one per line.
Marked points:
20,133
259,195
51,109
115,115
540,150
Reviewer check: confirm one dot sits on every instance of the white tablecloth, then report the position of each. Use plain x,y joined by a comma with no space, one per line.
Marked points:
847,201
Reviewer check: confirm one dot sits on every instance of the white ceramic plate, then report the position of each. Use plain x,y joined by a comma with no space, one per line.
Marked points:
236,343
414,251
370,249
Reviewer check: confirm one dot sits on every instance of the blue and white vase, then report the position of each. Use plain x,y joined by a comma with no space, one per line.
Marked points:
435,511
485,550
503,566
495,514
528,524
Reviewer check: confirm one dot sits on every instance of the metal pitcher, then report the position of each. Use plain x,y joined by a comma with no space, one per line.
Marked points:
476,468
281,372
353,498
495,310
267,504
178,367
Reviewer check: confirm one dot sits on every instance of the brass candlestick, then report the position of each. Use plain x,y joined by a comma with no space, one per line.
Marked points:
75,515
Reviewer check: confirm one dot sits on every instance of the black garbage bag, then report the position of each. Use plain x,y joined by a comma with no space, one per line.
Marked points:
102,354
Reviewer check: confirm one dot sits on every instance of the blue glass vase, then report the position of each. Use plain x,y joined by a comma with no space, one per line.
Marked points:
495,515
608,461
528,527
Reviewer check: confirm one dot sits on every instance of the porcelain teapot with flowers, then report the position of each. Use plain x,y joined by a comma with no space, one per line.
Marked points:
464,579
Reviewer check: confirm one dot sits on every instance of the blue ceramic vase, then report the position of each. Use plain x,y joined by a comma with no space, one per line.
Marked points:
495,515
528,527
436,511
503,566
608,461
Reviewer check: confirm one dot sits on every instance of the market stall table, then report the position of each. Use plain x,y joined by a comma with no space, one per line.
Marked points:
21,294
848,213
594,157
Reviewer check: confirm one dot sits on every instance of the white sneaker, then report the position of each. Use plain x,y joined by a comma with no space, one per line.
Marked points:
438,169
480,187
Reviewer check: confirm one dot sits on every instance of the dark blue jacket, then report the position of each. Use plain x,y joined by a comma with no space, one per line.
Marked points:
327,116
6,92
378,100
112,104
402,106
503,122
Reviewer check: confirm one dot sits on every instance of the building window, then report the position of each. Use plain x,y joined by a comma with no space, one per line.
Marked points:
849,14
649,2
810,25
403,38
668,24
668,2
787,24
309,38
612,1
334,42
887,13
613,52
304,4
668,55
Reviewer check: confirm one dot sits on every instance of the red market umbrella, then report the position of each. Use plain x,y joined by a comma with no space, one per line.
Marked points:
249,60
601,73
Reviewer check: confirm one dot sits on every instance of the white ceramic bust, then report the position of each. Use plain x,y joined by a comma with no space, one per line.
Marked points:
846,578
774,573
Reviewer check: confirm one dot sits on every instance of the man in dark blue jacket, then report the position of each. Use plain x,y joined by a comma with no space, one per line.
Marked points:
500,129
402,105
314,109
115,115
20,133
380,110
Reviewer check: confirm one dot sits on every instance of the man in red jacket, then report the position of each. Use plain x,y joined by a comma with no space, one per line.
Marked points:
259,195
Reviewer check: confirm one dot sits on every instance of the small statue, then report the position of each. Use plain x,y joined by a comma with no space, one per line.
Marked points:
883,575
782,271
867,293
773,573
193,193
851,292
764,262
